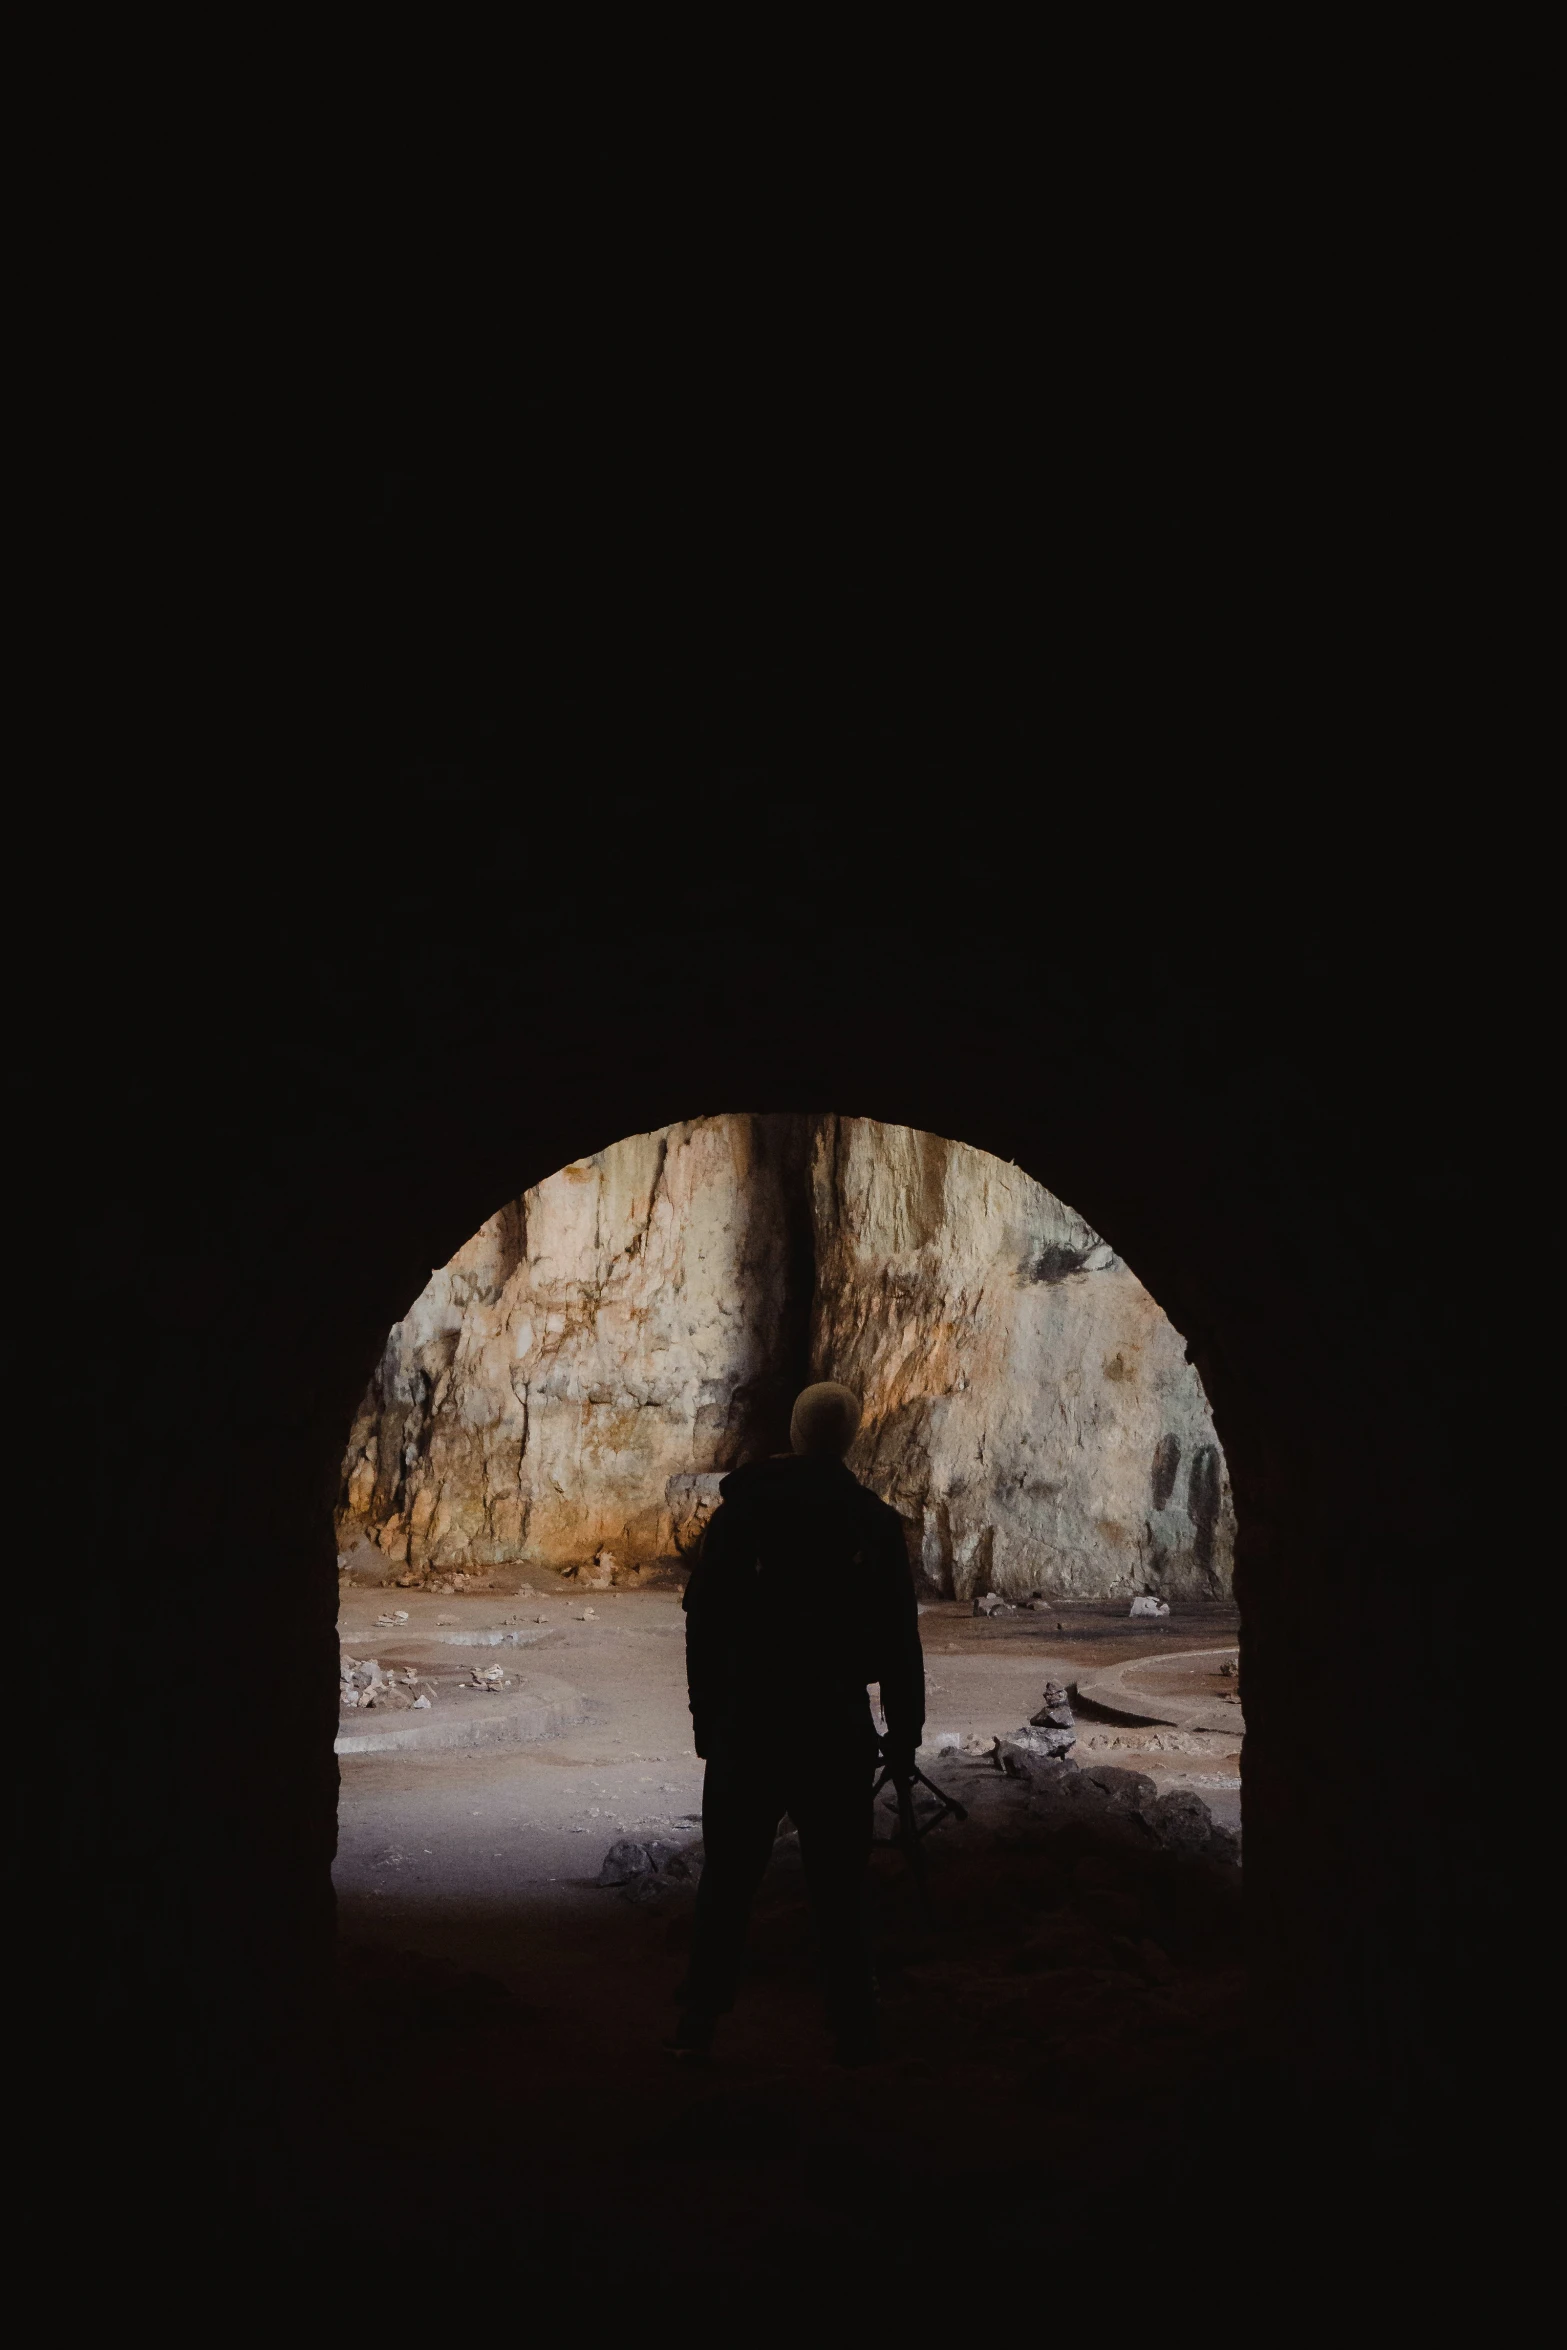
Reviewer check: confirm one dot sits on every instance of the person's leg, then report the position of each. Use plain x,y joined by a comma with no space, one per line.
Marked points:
741,1803
830,1804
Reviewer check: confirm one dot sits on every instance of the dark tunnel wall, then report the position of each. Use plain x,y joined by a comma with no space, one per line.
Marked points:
274,1216
430,848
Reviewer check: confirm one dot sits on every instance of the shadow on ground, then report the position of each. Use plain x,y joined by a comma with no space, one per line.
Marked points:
1062,2071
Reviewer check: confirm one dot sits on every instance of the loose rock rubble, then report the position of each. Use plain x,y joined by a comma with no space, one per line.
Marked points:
597,1573
1179,1821
1204,1742
1052,1731
439,1582
954,1742
364,1684
486,1678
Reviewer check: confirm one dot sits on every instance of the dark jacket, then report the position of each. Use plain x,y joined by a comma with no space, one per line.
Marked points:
802,1595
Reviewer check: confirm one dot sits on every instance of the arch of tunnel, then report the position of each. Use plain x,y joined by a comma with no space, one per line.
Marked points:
278,1241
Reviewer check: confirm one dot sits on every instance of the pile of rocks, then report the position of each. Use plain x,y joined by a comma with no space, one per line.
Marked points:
364,1684
488,1679
1050,1732
1116,1798
594,1574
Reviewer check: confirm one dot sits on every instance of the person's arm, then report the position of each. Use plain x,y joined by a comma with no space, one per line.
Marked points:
902,1657
705,1612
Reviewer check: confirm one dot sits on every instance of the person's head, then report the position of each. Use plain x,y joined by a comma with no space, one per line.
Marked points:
824,1420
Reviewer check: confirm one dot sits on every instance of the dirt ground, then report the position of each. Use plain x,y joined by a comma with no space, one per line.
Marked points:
1062,2030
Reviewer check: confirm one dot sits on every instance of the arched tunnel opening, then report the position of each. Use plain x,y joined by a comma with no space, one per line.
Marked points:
525,1491
323,1129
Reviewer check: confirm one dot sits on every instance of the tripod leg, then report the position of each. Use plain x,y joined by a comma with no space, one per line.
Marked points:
910,1838
948,1803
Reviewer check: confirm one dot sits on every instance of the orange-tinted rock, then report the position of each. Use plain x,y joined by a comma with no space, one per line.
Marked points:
582,1369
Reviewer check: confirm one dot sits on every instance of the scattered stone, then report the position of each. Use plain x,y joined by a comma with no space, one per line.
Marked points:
623,1861
1056,1712
364,1685
1050,1732
1161,1742
1146,1606
599,1574
1044,1739
488,1678
1021,1757
632,1862
1182,1820
1101,1790
1119,1791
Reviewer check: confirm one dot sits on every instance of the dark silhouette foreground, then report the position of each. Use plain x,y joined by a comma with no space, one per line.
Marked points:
802,1597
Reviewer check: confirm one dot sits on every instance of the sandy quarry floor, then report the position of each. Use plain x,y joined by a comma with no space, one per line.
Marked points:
460,1827
1067,2017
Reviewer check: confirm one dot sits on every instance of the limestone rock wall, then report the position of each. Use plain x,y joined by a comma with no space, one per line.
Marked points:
586,1366
635,1318
1028,1407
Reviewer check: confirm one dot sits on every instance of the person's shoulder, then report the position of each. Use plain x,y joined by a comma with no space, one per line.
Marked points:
755,1481
876,1512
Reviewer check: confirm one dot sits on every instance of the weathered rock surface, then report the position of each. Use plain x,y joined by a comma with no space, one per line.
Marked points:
638,1317
1027,1404
579,1376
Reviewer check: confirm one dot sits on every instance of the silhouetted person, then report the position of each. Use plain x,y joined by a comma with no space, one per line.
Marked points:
802,1596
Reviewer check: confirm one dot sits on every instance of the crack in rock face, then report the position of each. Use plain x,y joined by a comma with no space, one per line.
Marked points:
569,1391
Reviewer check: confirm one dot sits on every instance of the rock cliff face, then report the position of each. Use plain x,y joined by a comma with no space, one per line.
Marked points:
1027,1405
636,1318
586,1367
